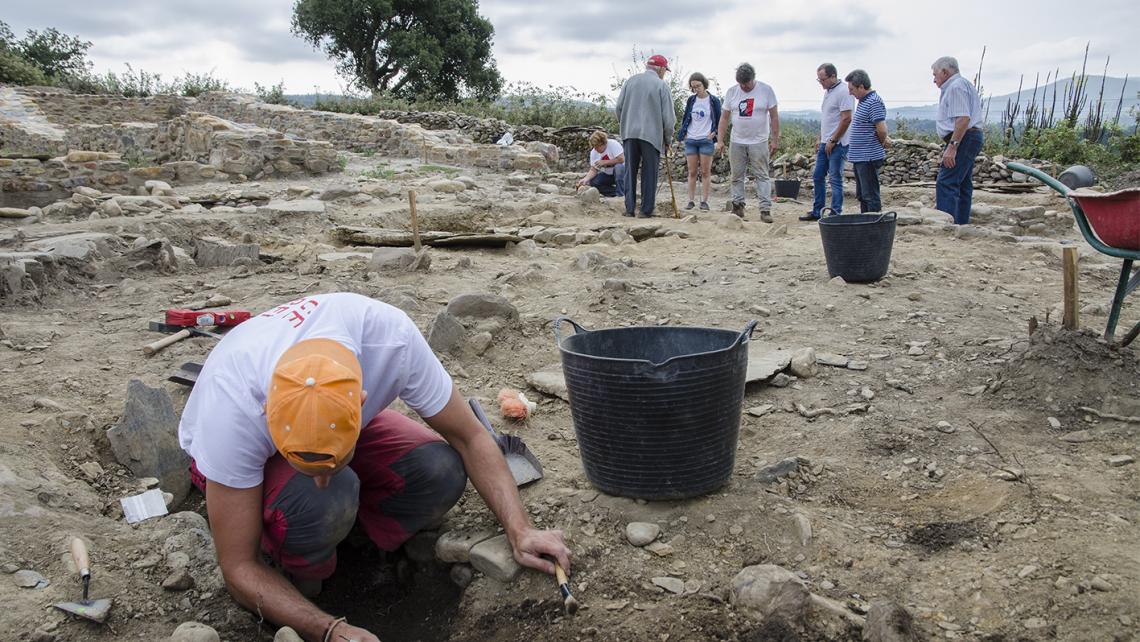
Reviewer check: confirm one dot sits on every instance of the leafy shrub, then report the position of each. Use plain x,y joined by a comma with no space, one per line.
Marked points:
273,94
16,70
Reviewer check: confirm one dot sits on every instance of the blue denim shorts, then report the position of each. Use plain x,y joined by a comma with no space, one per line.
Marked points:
704,147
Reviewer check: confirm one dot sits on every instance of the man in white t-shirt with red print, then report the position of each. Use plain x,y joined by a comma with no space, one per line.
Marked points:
755,123
607,166
292,442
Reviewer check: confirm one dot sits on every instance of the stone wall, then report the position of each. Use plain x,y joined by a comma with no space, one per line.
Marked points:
64,108
370,133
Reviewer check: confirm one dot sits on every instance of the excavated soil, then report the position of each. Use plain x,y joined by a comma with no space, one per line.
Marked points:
953,493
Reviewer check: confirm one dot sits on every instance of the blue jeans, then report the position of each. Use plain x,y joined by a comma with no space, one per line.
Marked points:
867,185
610,184
829,169
954,190
641,155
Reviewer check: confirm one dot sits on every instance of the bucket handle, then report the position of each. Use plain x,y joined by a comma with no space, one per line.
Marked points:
824,212
746,333
884,217
558,329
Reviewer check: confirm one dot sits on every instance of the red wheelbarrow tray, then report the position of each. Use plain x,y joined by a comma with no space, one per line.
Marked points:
1114,217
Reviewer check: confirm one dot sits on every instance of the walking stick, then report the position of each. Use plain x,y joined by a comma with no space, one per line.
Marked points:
669,172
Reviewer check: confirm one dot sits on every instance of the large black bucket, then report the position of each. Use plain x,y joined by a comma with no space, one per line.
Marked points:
858,246
657,408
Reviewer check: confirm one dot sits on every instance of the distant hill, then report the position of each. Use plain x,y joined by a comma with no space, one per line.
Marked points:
1112,88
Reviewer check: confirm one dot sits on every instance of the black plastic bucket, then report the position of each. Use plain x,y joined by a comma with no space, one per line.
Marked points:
787,188
656,409
858,246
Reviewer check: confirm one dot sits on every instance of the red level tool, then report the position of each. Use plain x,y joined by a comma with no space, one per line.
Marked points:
189,318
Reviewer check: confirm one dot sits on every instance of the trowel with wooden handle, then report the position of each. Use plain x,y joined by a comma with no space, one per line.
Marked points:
94,610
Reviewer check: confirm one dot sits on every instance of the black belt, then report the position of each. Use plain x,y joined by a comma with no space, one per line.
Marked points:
946,138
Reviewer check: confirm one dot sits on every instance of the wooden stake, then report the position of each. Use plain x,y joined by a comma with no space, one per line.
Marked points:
415,221
1071,320
669,173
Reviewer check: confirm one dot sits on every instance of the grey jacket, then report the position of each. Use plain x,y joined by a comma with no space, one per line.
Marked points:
645,109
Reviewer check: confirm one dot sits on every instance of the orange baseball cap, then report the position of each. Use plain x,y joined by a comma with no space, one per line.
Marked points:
313,406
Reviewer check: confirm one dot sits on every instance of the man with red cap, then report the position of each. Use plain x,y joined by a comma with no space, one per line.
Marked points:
645,112
292,442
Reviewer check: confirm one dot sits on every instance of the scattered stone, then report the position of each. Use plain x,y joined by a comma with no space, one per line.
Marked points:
159,188
945,427
782,468
462,575
1077,437
480,342
14,212
833,360
546,188
780,381
389,259
1098,583
642,533
760,411
194,632
337,192
91,470
495,559
771,590
660,549
482,306
146,439
589,196
671,584
889,622
1026,571
764,363
803,527
447,186
215,252
616,285
446,334
730,222
527,248
1054,423
837,283
856,365
179,580
455,546
1120,460
803,363
30,579
1034,623
306,206
551,382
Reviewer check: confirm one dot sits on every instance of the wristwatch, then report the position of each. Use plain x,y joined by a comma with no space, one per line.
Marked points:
954,143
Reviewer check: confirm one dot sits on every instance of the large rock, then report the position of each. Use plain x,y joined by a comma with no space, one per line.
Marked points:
447,186
146,439
454,547
764,362
336,192
211,251
446,334
482,306
803,363
388,259
771,590
495,559
85,246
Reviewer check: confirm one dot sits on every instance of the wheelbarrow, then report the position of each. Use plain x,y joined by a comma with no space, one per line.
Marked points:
1111,224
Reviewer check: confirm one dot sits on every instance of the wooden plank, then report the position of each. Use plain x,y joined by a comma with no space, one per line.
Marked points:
399,238
1071,320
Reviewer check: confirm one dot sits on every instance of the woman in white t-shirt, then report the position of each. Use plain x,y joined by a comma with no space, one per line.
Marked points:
698,132
607,166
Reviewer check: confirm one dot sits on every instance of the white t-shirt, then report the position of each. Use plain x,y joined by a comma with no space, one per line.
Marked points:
613,150
223,426
749,111
838,99
701,124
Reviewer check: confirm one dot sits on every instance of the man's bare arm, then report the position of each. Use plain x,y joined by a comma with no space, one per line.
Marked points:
235,521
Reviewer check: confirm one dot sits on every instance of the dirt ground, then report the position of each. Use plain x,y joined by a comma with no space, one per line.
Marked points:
952,494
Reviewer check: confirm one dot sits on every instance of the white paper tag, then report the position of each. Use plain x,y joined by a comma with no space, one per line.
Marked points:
137,508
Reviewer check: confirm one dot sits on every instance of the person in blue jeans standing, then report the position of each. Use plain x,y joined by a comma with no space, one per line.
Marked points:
698,131
959,124
834,140
869,140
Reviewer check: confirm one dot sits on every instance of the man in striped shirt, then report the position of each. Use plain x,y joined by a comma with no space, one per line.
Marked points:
959,124
869,140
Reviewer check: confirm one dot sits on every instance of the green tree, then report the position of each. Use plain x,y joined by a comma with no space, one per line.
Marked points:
438,49
56,54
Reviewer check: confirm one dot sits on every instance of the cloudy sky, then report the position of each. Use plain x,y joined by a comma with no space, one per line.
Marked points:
586,43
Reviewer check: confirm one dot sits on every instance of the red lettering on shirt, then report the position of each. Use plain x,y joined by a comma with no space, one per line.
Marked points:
295,312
